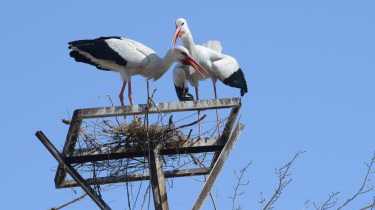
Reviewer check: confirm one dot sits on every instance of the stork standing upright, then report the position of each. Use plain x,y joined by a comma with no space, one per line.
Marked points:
128,57
219,66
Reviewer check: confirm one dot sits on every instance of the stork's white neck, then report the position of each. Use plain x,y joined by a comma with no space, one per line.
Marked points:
188,40
162,65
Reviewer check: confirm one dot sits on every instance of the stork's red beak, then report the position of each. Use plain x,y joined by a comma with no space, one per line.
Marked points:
190,61
177,34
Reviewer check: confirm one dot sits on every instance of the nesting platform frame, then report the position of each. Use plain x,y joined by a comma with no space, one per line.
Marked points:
221,146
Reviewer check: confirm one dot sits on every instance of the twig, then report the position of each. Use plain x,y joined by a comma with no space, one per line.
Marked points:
127,185
238,185
213,201
67,204
329,203
372,206
283,181
364,183
65,121
190,124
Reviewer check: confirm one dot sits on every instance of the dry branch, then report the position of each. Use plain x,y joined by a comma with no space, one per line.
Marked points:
238,185
284,181
67,204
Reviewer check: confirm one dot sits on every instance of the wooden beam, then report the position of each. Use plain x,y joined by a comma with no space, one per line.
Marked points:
157,180
137,177
158,108
80,114
217,167
72,172
226,132
70,143
112,153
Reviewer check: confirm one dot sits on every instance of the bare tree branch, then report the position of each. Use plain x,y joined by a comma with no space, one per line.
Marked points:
284,181
67,204
238,185
362,189
365,188
372,206
329,203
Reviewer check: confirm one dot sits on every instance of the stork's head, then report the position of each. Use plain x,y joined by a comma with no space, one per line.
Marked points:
182,54
180,32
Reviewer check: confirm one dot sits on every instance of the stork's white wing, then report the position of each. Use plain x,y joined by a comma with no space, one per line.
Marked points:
133,52
214,45
225,67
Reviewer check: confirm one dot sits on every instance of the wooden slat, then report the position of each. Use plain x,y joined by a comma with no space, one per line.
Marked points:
112,153
70,143
136,109
137,177
226,132
157,180
72,172
217,167
159,108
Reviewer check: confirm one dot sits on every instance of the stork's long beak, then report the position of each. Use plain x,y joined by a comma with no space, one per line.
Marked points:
190,61
178,33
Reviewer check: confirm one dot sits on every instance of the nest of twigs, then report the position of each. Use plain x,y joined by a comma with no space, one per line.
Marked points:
111,135
137,134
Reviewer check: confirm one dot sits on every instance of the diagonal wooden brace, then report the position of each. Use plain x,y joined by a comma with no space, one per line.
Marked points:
72,172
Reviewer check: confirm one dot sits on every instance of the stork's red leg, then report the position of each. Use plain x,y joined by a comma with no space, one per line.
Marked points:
130,94
217,113
121,96
199,113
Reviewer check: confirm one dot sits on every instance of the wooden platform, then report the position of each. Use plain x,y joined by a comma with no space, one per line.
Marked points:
221,146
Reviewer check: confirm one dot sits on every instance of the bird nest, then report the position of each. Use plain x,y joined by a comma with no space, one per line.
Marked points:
101,134
137,134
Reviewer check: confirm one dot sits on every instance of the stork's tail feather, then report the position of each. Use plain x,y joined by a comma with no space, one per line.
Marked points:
243,91
183,94
237,80
81,58
214,45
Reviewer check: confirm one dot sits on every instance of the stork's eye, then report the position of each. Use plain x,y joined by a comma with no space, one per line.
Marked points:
184,54
182,23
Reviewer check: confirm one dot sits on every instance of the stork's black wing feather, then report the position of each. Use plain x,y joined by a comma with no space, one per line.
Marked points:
237,79
97,48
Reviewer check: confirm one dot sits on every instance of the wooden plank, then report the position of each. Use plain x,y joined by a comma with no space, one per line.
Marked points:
227,130
159,108
123,148
71,140
137,177
72,172
112,153
80,114
217,167
157,180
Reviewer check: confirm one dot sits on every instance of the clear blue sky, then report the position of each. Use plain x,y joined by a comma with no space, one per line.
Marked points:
309,66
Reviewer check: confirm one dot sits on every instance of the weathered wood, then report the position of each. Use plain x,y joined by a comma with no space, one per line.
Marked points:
72,172
112,153
80,114
70,142
226,132
208,146
122,148
137,177
157,180
159,108
217,167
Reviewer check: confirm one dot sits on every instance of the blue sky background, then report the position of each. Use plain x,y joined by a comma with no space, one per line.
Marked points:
309,67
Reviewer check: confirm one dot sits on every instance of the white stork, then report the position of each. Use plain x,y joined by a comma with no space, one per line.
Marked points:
219,66
128,57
